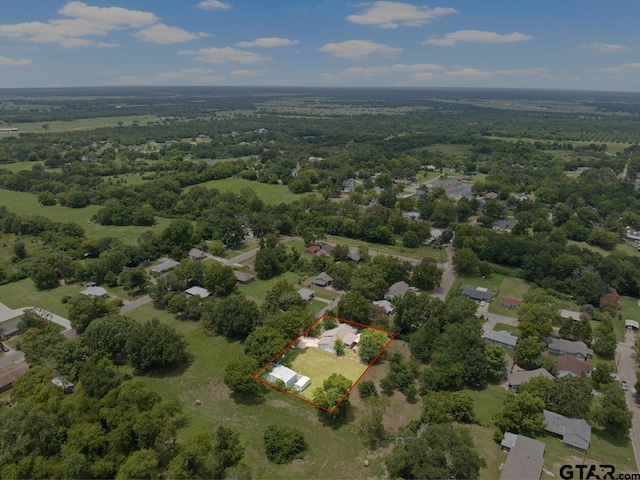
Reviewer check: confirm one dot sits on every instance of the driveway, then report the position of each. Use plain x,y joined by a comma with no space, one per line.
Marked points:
135,304
626,360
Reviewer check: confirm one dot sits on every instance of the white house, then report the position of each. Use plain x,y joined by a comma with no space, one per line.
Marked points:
198,292
280,372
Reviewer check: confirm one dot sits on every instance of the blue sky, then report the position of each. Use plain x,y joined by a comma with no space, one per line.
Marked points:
567,44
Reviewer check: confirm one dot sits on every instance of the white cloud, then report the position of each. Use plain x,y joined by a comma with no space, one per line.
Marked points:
358,49
526,72
84,21
393,14
213,5
163,34
12,62
469,72
268,42
476,36
599,47
197,70
625,68
246,73
224,55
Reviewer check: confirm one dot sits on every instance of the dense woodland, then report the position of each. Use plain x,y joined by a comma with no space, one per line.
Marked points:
570,200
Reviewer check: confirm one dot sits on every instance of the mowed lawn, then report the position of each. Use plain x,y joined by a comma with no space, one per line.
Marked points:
27,204
319,365
24,294
271,194
334,452
84,124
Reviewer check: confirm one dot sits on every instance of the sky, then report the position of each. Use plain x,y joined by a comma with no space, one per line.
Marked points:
549,44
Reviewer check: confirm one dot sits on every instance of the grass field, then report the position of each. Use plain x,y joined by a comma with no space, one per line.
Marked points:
84,124
513,330
271,194
259,288
27,204
24,294
490,451
334,452
19,166
419,253
319,365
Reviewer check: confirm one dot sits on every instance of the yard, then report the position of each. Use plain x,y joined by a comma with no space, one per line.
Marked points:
319,365
333,452
435,254
272,194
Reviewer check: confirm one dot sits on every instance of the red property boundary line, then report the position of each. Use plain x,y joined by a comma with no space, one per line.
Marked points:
258,375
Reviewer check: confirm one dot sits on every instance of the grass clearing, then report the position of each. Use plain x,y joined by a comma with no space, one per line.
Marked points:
601,251
271,194
490,451
259,288
319,365
24,294
19,166
487,403
84,124
435,254
334,452
513,330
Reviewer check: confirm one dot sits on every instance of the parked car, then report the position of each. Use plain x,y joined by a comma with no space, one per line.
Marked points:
624,386
3,347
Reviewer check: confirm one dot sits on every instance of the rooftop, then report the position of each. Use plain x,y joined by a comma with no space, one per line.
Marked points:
517,378
198,292
525,459
575,432
501,336
94,292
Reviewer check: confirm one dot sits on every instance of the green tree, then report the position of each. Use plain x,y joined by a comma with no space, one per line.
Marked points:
332,391
466,261
496,362
370,421
354,306
153,345
44,274
528,351
612,412
338,346
98,375
218,279
570,396
438,451
426,275
538,387
238,375
410,239
264,343
366,389
84,309
605,337
603,373
135,279
234,316
521,414
284,444
536,319
140,464
371,343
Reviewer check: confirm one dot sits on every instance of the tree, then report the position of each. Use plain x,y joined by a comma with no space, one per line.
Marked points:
528,350
437,451
496,363
153,345
603,373
410,239
366,389
264,343
605,337
134,279
426,275
109,334
338,346
538,387
612,412
284,444
370,422
536,319
465,260
177,238
610,303
140,464
238,375
332,391
235,316
521,414
44,274
98,375
354,306
371,343
570,396
84,309
218,279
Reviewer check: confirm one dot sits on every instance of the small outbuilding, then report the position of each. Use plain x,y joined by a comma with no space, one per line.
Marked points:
9,328
306,294
65,385
95,292
302,383
282,373
198,292
243,278
631,324
384,305
323,280
196,254
509,303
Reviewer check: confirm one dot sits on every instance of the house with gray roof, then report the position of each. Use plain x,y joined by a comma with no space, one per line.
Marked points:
196,254
198,292
525,460
94,292
478,295
354,254
164,266
502,225
501,338
306,294
519,377
242,277
574,432
346,332
282,373
398,289
323,280
560,346
9,328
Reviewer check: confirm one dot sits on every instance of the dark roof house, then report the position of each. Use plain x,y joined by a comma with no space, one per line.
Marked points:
570,365
480,295
525,460
306,294
574,432
501,338
322,280
164,266
560,346
10,328
398,289
517,378
242,277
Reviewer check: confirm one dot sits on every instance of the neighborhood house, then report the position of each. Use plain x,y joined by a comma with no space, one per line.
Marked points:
560,346
569,365
519,377
525,459
95,292
198,292
323,280
478,294
574,432
164,266
501,338
347,333
509,303
282,373
306,294
398,289
242,278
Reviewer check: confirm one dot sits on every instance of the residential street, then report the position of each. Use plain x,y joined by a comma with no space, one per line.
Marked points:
135,304
626,359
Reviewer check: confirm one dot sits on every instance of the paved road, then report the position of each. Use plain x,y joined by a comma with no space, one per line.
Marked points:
242,257
627,371
135,304
494,318
448,277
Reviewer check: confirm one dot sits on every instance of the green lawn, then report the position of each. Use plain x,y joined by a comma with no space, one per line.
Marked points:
419,253
24,294
487,403
334,452
319,365
514,287
599,250
490,451
19,166
272,194
84,124
259,288
27,204
508,328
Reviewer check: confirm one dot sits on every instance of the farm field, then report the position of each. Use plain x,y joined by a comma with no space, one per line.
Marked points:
332,450
84,124
271,194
